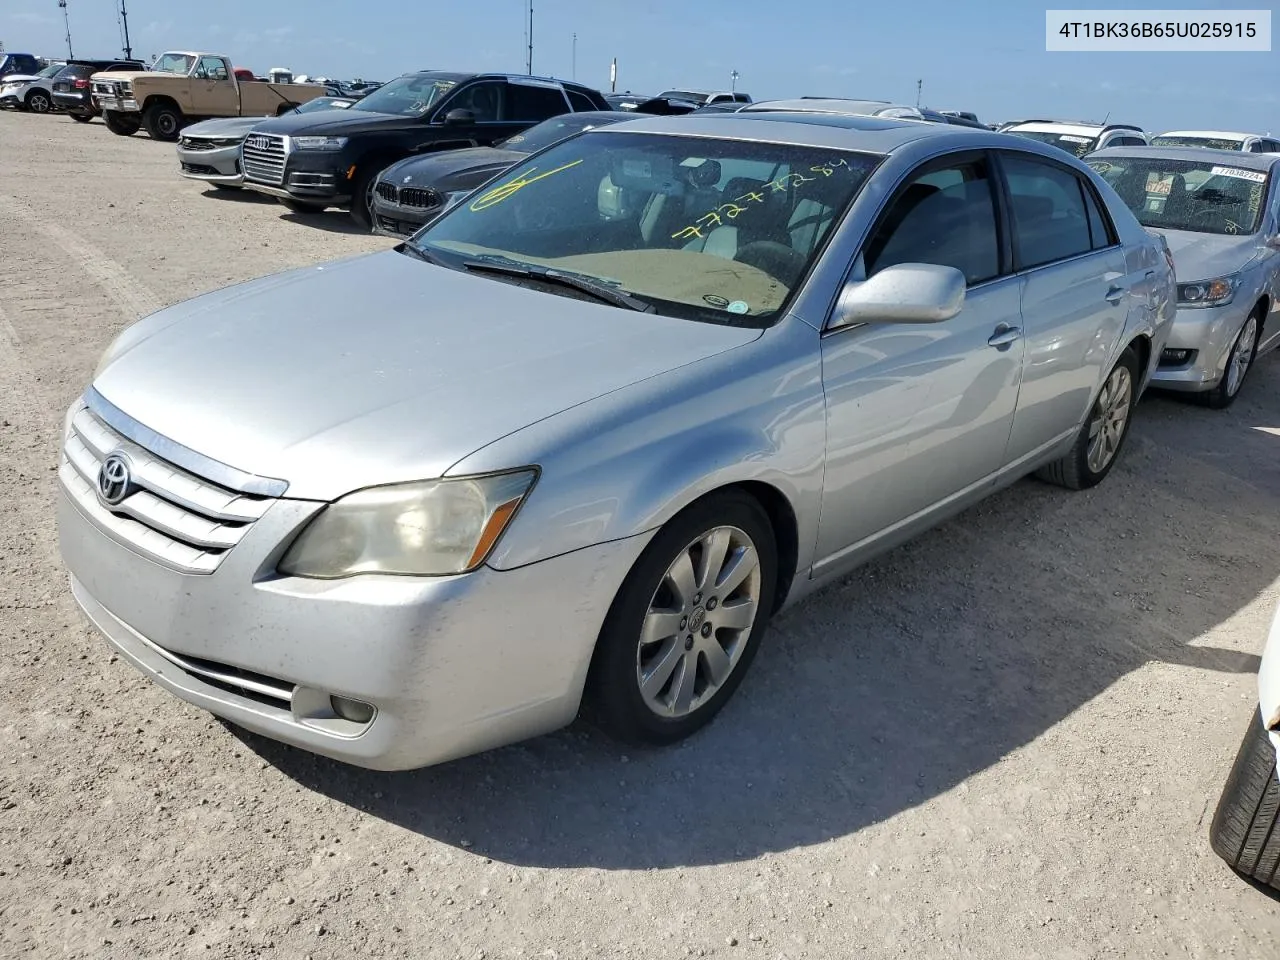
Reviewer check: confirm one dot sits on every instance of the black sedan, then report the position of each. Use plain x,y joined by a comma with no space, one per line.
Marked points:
416,190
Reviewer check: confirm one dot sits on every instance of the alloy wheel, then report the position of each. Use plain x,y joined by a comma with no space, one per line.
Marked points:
38,103
698,622
1110,416
1241,356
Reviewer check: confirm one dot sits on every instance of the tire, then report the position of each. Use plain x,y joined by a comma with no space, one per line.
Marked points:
1111,414
671,710
362,196
82,117
1244,350
163,122
1246,826
38,101
121,125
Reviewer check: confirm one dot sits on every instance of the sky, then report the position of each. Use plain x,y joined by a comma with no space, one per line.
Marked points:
988,58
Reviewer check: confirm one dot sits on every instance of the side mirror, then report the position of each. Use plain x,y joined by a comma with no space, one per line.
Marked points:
905,293
459,117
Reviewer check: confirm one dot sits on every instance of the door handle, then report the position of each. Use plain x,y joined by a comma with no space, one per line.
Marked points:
1004,336
1115,294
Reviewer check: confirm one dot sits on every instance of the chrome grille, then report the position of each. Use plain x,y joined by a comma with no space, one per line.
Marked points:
172,516
388,191
208,143
422,197
263,156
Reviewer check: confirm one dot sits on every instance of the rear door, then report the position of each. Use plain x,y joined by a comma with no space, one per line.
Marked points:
1076,296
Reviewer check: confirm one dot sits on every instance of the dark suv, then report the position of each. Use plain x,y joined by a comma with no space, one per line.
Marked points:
332,158
21,63
71,86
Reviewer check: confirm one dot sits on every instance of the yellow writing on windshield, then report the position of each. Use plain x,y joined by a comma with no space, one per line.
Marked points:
500,193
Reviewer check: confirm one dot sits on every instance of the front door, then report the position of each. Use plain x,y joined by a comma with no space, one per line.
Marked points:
920,414
213,91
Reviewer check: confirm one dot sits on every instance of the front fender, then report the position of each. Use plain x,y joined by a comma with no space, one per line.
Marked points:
625,463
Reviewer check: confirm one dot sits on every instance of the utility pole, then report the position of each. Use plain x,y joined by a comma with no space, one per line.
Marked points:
733,81
67,22
574,74
529,61
919,87
613,76
124,20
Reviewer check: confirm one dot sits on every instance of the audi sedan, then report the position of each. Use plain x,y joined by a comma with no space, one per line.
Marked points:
1219,211
575,442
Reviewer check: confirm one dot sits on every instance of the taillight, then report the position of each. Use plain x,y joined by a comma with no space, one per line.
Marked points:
80,84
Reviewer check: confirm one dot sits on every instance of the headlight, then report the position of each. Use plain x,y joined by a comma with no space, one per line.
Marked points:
319,143
432,528
1207,293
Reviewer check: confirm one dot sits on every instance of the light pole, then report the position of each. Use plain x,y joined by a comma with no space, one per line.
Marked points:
124,21
733,81
67,22
529,61
574,74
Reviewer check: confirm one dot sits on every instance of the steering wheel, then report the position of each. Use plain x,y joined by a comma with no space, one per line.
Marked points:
776,259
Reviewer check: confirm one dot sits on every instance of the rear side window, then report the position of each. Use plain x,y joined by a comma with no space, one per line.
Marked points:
1100,232
945,216
534,103
1051,220
580,101
1127,142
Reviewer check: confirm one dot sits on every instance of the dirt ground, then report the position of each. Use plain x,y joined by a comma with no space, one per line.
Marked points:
1005,740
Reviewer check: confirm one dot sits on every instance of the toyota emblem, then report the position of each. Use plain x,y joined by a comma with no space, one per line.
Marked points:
113,479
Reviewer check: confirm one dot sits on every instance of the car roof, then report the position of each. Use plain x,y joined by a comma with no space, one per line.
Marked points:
1227,158
837,131
491,75
833,105
1213,134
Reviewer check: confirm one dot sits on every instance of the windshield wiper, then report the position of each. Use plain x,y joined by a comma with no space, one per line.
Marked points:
601,291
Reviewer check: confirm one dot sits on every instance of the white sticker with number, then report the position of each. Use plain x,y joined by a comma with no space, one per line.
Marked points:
1254,175
1071,139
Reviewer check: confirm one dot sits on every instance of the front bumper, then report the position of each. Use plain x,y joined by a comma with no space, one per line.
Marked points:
394,220
453,665
219,165
116,104
317,178
1209,332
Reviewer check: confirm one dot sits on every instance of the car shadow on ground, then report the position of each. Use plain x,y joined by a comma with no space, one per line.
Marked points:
238,195
895,685
331,220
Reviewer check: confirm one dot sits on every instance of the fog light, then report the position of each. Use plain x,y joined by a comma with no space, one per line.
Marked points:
357,711
1175,357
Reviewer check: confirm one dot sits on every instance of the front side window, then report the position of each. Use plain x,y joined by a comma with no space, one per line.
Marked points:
411,96
712,230
530,102
211,68
947,217
581,101
179,63
484,100
1075,144
1050,217
1203,197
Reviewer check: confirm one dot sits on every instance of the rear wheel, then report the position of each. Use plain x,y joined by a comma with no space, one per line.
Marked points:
362,196
124,125
1239,360
163,122
1246,826
1098,444
39,102
82,117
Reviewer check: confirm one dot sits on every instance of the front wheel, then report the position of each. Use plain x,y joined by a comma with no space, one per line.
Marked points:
122,125
1098,444
82,117
1239,360
686,623
1246,826
362,197
163,122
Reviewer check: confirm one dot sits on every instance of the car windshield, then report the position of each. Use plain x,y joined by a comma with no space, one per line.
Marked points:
1072,143
52,70
714,230
1187,195
174,63
322,103
691,95
551,131
1212,143
410,96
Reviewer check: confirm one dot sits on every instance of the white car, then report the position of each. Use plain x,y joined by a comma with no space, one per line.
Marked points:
32,92
1079,138
1218,140
1244,827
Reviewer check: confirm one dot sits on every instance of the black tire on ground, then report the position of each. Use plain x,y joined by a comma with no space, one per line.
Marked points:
1246,826
1074,470
37,101
612,698
1221,397
163,122
121,125
362,195
82,117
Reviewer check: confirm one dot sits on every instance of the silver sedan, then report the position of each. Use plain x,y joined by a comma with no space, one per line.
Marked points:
579,439
1220,214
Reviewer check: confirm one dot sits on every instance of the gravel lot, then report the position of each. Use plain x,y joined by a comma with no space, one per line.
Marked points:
1004,740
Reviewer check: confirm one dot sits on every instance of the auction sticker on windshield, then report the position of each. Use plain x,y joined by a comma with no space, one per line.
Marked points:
1254,175
1072,139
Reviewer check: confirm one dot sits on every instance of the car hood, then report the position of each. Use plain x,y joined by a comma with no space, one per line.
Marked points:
222,127
338,121
445,169
380,369
1205,256
131,75
19,78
